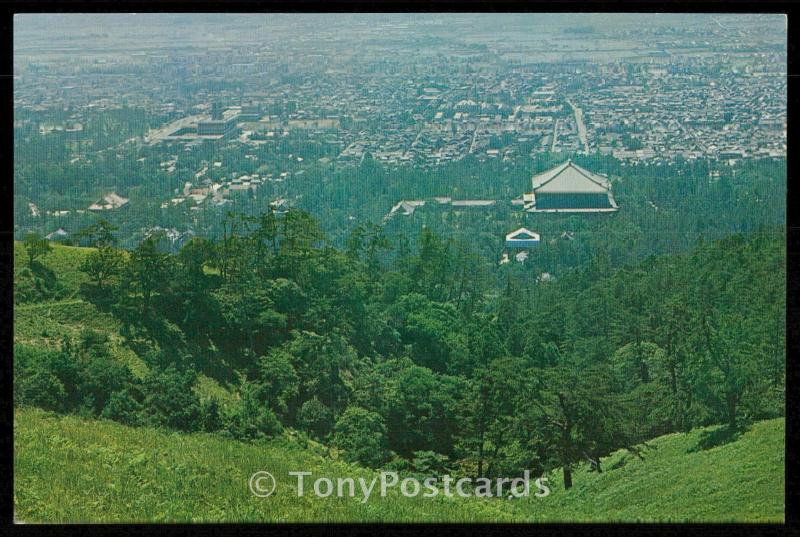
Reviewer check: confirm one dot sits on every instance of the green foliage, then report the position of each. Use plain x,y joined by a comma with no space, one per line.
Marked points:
484,380
99,234
361,434
430,463
148,273
248,418
36,246
315,418
169,400
494,401
36,284
103,376
125,406
279,381
210,415
34,383
103,264
431,329
421,410
55,276
637,363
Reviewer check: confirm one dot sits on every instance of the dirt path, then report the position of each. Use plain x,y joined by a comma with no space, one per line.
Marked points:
55,304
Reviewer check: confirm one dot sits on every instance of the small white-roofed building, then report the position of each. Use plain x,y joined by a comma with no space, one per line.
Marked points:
522,238
109,202
58,235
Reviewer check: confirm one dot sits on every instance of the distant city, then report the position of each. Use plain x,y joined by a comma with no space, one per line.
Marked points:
290,93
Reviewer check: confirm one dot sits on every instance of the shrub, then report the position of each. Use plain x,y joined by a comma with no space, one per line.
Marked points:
362,436
125,407
170,401
315,418
100,378
210,419
93,342
39,387
279,380
247,419
430,463
39,371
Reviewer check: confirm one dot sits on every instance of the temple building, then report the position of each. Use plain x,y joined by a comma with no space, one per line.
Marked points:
570,188
522,238
109,202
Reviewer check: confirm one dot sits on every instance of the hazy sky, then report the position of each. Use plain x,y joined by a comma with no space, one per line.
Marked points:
48,26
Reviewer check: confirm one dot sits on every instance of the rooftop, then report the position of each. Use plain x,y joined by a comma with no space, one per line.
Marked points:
569,177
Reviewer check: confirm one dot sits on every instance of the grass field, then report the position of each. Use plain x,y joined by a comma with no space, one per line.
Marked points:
72,470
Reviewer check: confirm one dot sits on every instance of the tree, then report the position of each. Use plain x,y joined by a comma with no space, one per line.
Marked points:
102,264
368,240
677,350
248,418
431,269
36,246
324,365
355,242
193,257
100,235
149,272
268,231
125,406
577,415
252,323
170,400
195,308
278,380
421,410
47,378
101,378
492,410
730,356
432,329
638,363
315,418
299,231
36,385
361,434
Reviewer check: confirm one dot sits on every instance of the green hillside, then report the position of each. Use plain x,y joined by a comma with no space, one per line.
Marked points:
352,362
58,309
62,312
43,323
63,260
72,470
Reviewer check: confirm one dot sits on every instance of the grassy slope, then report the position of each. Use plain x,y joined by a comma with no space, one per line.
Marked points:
42,324
677,481
70,470
63,260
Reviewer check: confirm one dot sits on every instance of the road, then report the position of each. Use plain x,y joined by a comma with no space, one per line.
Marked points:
555,137
581,127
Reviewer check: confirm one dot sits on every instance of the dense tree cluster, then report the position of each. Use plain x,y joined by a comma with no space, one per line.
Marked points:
408,357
